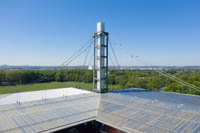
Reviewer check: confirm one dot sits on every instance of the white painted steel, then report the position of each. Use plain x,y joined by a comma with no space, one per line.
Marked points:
100,58
100,27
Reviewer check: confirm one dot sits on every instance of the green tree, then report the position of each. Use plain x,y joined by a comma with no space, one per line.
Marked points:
59,76
2,77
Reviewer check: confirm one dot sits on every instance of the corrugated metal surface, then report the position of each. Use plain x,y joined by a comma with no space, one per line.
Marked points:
128,110
48,115
151,112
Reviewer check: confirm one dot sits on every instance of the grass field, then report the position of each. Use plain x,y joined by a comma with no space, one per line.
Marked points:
44,86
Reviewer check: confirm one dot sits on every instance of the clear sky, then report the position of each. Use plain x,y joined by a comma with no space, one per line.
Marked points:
44,32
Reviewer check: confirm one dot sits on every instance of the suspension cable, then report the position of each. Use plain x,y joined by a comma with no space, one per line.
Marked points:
110,58
172,77
84,63
78,55
68,61
90,60
77,51
116,61
87,53
114,53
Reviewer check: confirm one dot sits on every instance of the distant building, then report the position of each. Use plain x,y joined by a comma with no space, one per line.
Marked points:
90,67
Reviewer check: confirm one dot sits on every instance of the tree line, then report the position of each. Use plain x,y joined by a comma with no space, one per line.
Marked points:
146,79
14,77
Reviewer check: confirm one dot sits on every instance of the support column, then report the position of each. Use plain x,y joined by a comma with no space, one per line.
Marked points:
101,65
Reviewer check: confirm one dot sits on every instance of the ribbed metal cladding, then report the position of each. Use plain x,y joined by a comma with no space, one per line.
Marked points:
131,110
150,112
45,116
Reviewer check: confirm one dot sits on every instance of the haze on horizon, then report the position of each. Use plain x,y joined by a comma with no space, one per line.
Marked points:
44,33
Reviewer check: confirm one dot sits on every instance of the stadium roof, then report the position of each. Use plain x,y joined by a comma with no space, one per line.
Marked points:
131,110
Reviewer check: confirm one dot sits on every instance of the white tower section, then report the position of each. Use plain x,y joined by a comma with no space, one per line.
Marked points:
100,54
101,58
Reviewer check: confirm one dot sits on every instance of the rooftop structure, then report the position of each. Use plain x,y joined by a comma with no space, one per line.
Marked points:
39,95
131,110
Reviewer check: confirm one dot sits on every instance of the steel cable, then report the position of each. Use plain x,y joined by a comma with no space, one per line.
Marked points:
68,61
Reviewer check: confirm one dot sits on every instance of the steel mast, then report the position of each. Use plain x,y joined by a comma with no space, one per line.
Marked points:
100,68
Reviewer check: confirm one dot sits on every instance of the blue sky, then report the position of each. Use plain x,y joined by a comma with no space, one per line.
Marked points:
45,32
